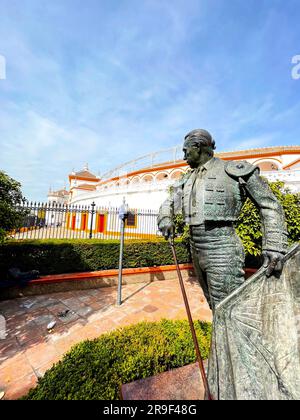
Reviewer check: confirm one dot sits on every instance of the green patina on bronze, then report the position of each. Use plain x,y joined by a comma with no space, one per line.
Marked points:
210,197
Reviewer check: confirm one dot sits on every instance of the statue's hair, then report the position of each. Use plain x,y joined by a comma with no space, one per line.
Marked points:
202,137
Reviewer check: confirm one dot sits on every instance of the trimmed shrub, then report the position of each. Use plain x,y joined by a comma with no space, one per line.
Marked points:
68,256
95,369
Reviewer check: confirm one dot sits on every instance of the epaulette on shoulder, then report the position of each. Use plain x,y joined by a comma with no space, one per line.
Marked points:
239,168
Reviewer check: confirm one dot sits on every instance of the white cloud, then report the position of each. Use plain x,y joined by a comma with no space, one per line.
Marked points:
38,149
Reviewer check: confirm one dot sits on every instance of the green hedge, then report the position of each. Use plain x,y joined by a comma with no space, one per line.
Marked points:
94,370
67,256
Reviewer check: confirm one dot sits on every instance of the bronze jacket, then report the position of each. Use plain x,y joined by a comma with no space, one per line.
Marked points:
217,191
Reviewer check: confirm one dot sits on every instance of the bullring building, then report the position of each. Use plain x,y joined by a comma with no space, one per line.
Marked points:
144,182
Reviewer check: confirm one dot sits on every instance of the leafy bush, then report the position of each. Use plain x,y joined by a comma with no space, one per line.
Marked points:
249,224
10,197
67,256
291,206
94,370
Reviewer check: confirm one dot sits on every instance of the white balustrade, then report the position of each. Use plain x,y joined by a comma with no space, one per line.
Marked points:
291,178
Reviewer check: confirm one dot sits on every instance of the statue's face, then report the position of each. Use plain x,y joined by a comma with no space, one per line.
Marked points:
192,153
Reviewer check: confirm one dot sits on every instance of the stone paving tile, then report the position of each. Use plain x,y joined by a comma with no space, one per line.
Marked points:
99,291
42,303
99,305
29,339
72,303
29,326
20,387
40,371
14,369
14,324
63,328
58,334
8,348
7,306
40,354
30,349
108,298
64,344
12,311
107,325
33,313
70,317
150,308
57,308
56,296
43,320
84,311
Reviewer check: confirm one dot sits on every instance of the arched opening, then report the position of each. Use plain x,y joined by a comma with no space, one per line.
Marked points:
147,178
176,175
162,176
268,166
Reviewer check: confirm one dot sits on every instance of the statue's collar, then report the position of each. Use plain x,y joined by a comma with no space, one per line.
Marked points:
208,165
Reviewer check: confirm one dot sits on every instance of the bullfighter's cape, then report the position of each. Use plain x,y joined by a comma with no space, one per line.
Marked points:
255,351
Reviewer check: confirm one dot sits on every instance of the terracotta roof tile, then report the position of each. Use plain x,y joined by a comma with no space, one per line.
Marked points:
85,174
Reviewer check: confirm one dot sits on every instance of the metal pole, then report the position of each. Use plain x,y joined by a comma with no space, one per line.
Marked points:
189,315
92,216
119,300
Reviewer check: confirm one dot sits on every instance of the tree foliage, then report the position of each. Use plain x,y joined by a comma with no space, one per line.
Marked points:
10,197
249,224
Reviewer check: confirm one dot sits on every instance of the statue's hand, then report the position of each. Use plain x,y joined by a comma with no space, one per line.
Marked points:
167,228
273,260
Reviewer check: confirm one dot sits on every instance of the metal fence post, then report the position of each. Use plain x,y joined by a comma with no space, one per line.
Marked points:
92,217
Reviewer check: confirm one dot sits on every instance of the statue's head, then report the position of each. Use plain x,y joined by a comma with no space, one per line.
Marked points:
198,147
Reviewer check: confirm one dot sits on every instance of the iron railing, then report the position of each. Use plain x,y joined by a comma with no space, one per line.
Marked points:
63,221
172,155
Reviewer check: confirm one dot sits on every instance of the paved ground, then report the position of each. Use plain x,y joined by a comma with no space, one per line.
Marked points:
28,349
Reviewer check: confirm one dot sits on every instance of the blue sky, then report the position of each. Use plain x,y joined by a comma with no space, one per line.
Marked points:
105,81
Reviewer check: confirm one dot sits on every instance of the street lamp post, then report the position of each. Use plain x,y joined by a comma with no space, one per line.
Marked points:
123,214
92,217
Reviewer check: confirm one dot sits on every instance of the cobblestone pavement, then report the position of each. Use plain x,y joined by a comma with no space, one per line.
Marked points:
28,348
